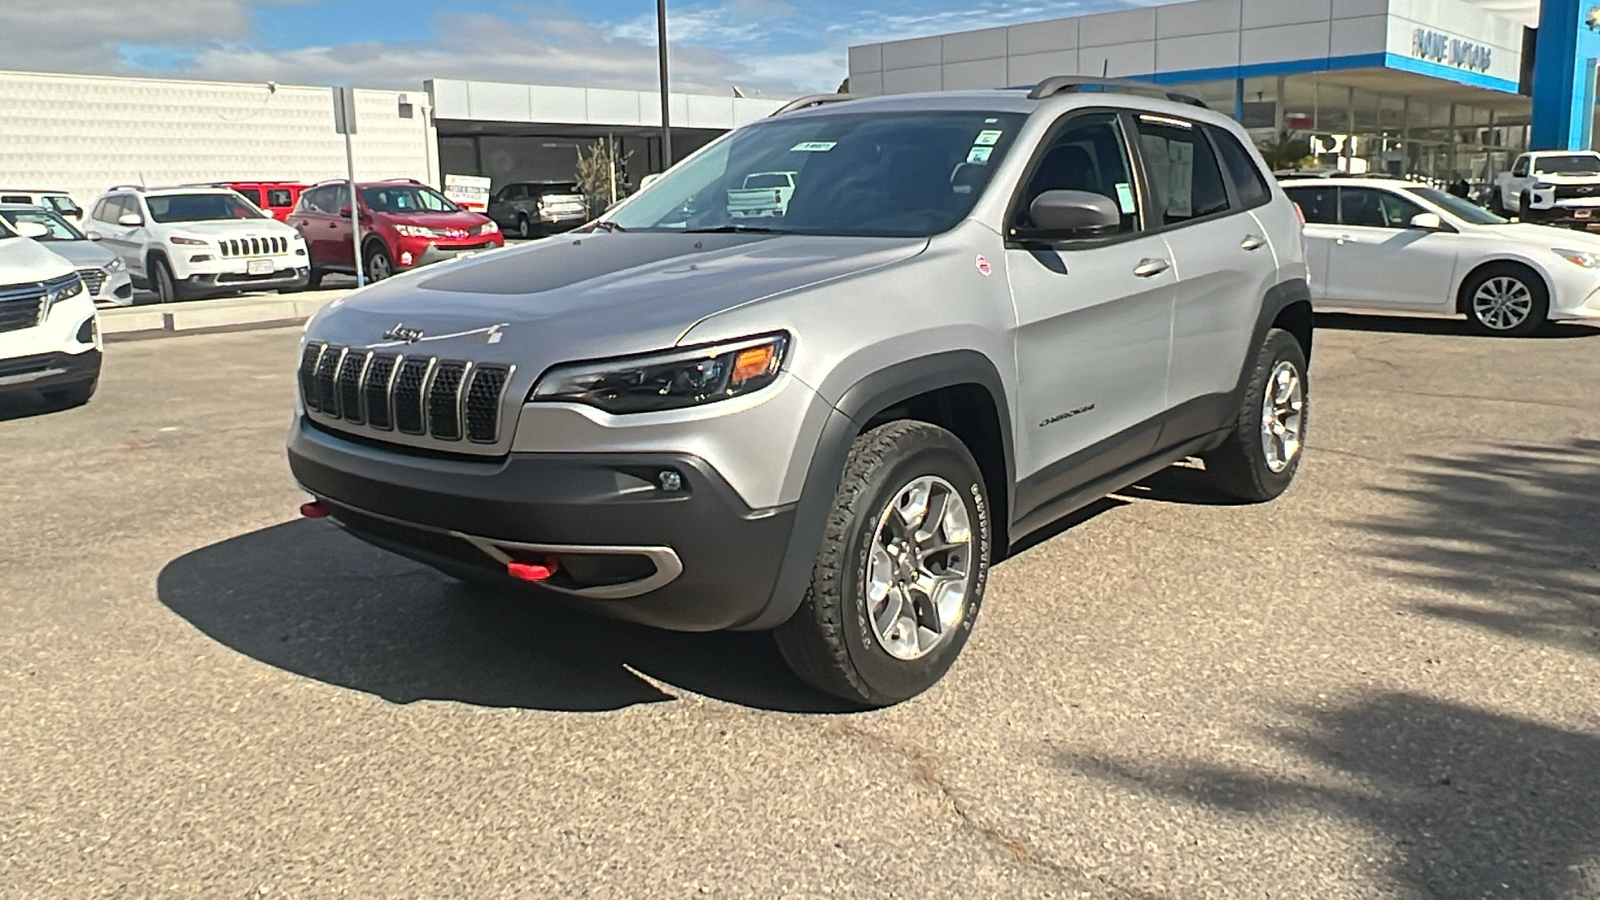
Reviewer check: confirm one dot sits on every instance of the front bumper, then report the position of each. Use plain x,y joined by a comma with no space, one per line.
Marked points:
44,371
417,252
615,533
207,283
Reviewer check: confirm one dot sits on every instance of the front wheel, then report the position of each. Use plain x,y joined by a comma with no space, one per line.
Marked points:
1262,452
379,265
161,280
524,228
1506,300
897,585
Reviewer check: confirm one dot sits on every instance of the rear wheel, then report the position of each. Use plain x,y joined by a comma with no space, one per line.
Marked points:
314,279
1261,454
378,264
1506,300
897,585
524,227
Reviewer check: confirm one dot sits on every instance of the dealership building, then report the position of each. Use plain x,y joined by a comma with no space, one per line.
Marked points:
1424,87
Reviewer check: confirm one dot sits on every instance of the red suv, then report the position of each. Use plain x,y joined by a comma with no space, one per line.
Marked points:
275,198
404,224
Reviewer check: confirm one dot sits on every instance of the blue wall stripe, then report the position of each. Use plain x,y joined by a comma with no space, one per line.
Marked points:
1333,64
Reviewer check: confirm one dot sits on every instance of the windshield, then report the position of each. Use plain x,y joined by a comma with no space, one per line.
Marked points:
910,174
59,229
1582,164
170,208
407,198
1465,210
64,205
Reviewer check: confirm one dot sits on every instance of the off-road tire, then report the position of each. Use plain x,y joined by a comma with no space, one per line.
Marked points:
829,642
1238,468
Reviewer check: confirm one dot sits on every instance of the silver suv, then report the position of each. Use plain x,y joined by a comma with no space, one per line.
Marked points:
978,312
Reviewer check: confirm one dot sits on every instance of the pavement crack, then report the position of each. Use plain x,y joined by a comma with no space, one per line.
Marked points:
922,765
1519,401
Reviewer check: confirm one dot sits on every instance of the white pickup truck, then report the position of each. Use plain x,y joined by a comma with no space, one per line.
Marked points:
763,194
1551,187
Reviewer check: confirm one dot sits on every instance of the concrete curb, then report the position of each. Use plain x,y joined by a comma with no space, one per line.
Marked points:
210,315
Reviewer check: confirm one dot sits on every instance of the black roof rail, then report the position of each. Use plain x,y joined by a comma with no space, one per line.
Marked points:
811,101
1068,84
126,187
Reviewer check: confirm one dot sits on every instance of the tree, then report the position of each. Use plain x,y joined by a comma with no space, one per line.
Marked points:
844,87
599,173
1286,151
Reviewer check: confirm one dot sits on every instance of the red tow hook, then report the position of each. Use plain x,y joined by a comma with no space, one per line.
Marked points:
314,510
533,571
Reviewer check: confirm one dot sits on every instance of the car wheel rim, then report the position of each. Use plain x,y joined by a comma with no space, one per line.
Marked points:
379,267
919,568
1502,303
1283,416
524,229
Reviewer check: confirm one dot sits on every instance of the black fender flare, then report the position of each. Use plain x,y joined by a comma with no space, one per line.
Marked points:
1279,297
856,406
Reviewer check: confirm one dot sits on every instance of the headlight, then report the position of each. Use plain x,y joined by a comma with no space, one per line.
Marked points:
187,242
414,231
1588,259
669,380
1541,186
116,265
58,290
488,228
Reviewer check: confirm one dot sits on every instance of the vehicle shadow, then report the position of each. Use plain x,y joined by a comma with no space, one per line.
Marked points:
1512,530
308,598
1473,803
1182,483
26,405
1446,326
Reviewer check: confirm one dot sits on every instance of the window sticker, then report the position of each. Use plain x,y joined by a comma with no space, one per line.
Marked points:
1125,198
987,138
979,156
813,147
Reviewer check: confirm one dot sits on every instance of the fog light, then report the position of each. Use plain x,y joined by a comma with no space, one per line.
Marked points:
406,258
670,480
200,257
86,331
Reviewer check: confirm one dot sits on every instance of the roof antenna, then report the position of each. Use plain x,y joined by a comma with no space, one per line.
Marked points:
1105,66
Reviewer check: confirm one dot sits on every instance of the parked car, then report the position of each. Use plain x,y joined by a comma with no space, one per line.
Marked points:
982,311
105,275
1551,187
763,194
404,224
275,198
49,340
187,243
535,208
1393,246
58,201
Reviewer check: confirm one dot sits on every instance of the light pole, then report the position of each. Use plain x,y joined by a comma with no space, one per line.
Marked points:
661,51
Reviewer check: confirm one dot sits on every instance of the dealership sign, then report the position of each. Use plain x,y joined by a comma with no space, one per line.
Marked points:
1442,48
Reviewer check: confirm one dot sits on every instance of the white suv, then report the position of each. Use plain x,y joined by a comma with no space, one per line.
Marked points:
48,338
186,243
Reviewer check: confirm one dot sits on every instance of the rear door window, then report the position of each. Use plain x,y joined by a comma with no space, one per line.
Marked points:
1320,204
279,198
1181,169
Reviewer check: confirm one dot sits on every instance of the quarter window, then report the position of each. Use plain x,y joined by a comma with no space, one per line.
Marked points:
1088,155
1183,172
25,201
1372,208
279,198
1319,204
1248,182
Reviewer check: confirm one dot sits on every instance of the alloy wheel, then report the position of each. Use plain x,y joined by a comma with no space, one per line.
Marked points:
378,267
1283,408
919,568
1502,303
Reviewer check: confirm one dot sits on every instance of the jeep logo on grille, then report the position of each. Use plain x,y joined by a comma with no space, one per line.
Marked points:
401,333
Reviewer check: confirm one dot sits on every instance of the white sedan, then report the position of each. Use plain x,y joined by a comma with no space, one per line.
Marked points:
1390,245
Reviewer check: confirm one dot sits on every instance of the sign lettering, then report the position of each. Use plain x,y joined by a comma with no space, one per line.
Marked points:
1439,47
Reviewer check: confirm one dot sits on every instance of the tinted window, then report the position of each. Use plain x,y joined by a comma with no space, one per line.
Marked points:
1088,155
913,173
1183,172
767,180
1521,167
251,194
1372,208
1582,164
17,198
278,197
1319,204
408,198
569,187
58,228
1247,180
199,208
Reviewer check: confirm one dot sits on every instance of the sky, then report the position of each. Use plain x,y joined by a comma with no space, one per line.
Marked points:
772,48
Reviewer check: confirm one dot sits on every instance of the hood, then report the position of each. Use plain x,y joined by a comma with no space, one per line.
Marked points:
82,254
464,219
23,260
1547,236
597,295
232,228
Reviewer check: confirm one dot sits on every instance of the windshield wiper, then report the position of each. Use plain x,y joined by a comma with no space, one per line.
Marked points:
736,229
603,225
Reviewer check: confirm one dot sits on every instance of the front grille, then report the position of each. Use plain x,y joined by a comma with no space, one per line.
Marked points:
271,246
447,400
93,279
20,305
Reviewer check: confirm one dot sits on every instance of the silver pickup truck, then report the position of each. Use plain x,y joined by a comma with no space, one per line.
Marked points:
763,194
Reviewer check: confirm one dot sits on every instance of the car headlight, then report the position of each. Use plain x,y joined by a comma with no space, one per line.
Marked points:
116,265
488,228
187,242
1588,259
670,380
58,290
414,231
1542,186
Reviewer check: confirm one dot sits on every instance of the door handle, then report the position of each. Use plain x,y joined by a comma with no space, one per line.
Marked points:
1149,267
1253,242
1341,239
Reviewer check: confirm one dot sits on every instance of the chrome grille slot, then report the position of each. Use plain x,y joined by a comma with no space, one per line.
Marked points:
93,279
444,401
308,375
408,383
376,390
327,387
20,305
350,372
482,403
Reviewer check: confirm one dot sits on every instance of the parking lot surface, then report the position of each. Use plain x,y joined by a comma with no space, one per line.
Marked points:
1385,684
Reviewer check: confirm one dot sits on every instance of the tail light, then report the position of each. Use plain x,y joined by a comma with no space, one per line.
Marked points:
1300,214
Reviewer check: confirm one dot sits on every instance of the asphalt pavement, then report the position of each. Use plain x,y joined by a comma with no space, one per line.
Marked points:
1386,684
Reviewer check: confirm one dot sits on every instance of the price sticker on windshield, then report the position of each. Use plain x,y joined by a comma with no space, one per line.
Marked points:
987,138
813,147
979,156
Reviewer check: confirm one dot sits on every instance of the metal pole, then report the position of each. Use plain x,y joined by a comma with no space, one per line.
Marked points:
355,210
661,51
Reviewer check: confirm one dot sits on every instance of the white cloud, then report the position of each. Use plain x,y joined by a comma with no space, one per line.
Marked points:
83,35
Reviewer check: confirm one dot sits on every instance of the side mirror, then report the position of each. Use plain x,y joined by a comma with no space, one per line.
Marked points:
344,212
32,230
92,235
130,220
1427,222
1073,214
